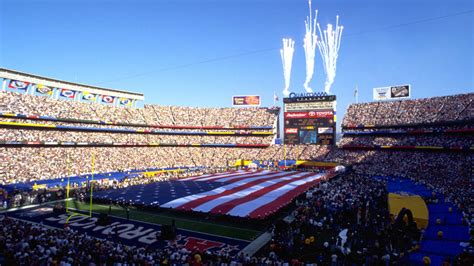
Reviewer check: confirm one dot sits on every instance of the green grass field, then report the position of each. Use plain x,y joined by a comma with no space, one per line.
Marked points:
166,218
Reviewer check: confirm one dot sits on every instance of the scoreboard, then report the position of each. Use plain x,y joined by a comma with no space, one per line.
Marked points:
310,119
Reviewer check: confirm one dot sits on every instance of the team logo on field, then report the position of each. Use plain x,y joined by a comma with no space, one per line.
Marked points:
194,243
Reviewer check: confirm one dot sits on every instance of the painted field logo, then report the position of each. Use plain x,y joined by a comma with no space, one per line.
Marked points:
130,232
193,243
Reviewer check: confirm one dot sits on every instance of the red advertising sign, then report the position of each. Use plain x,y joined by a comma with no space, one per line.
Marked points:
291,130
310,114
247,100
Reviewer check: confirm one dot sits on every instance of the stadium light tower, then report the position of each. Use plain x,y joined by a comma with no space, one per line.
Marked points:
329,49
309,44
287,60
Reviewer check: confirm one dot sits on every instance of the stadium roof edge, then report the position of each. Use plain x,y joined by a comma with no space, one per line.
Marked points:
13,74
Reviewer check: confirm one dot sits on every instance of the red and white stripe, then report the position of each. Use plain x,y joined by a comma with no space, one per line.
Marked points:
271,197
249,178
245,193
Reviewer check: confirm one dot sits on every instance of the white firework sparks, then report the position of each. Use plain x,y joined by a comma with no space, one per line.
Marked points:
329,49
287,59
309,45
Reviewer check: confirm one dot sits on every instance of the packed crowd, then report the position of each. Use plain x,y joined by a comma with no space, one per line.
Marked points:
46,124
20,197
465,126
9,134
23,243
447,173
354,206
430,110
28,164
150,114
445,140
344,222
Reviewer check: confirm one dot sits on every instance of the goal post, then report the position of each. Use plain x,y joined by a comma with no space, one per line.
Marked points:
75,211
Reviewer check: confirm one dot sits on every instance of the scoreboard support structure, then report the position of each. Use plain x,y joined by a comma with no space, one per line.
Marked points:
309,118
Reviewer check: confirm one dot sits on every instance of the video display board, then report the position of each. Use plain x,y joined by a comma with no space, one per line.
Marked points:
310,119
246,100
392,93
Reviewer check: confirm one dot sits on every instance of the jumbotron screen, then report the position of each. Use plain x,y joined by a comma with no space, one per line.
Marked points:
310,119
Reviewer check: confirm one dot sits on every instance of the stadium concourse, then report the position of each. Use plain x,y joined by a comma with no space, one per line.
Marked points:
343,220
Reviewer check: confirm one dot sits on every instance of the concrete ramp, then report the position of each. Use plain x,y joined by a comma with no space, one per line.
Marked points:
257,244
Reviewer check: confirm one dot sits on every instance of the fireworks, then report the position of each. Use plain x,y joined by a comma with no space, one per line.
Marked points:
329,49
287,58
329,44
309,44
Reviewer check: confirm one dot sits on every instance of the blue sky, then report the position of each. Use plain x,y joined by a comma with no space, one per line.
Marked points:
200,53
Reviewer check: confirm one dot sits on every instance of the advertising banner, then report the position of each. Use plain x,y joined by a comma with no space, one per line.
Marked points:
400,92
291,130
392,93
310,114
246,100
305,106
325,130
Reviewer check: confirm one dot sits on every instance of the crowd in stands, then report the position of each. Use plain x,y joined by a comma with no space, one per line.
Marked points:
356,202
26,164
150,114
448,140
420,111
447,173
22,243
413,129
127,127
344,222
30,164
9,134
20,197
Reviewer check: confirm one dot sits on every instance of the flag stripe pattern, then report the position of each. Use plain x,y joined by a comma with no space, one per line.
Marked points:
243,193
225,208
206,203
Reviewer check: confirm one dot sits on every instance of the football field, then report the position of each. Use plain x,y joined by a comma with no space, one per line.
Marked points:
197,225
140,230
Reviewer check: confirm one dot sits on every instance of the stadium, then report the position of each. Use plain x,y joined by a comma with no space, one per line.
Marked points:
93,175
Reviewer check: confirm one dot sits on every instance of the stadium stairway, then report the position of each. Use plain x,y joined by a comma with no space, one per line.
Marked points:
450,223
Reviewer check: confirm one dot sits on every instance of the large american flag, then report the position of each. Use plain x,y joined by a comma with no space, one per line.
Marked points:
254,194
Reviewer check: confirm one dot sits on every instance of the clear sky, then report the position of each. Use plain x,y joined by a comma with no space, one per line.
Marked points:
201,52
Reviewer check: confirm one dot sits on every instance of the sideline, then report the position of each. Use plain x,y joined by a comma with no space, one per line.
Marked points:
78,210
187,230
184,219
33,205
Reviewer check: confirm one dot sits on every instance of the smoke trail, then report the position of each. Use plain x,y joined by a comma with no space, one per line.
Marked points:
309,45
329,50
287,59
